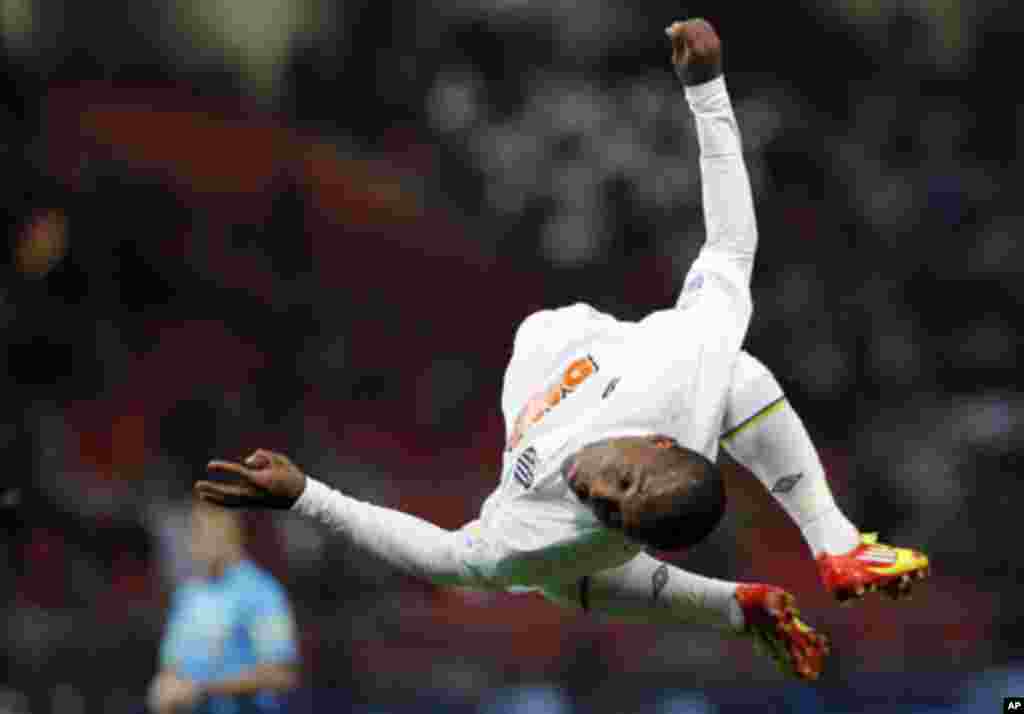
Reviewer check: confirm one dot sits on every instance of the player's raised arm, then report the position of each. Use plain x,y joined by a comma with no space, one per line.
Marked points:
270,480
726,261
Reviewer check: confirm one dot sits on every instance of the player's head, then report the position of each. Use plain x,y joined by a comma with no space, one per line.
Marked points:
654,490
217,536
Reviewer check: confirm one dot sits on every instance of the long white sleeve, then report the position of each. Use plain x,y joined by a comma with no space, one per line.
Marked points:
719,279
728,202
409,544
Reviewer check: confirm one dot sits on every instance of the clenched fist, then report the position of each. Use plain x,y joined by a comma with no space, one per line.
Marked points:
696,51
264,480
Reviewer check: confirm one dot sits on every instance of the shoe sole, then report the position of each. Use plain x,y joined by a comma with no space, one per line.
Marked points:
895,587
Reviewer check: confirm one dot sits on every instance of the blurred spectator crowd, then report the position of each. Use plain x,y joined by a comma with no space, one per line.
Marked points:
315,228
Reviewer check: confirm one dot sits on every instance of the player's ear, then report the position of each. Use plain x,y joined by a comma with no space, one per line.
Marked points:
568,468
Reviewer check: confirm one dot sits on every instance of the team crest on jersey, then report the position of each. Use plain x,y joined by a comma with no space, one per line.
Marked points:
525,468
541,403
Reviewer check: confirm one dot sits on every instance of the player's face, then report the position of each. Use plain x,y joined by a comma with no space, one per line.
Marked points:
606,493
213,536
201,542
618,480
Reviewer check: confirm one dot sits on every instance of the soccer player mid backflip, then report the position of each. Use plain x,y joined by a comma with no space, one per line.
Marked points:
611,431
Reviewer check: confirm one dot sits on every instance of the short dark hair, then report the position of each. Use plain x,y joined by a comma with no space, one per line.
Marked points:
682,498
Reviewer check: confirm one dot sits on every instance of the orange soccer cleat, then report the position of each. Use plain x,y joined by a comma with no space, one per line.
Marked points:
771,619
872,566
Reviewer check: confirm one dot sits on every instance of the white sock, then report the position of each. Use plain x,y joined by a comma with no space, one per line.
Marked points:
830,532
647,590
765,434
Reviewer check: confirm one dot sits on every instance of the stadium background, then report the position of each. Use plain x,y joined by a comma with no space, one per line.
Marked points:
314,226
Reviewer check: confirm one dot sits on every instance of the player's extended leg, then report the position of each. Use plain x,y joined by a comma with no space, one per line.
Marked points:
765,434
648,590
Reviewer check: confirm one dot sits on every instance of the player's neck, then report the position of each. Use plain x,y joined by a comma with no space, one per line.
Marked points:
224,563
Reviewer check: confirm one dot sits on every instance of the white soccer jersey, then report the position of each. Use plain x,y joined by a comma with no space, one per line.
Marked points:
667,374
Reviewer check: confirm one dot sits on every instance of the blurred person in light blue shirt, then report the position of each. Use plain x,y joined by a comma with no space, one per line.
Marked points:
229,647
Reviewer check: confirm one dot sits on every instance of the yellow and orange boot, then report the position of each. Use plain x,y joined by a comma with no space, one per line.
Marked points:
870,567
771,618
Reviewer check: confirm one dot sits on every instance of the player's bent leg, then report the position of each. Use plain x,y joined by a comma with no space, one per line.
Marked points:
648,590
765,434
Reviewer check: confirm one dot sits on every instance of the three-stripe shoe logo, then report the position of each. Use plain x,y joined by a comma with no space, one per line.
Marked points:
525,467
877,554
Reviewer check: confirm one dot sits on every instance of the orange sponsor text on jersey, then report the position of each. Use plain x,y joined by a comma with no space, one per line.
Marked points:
544,401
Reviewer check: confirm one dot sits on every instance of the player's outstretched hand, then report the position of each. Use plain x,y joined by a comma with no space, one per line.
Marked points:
264,480
696,51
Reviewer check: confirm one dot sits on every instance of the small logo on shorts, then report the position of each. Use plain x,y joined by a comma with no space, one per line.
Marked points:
611,387
659,579
695,283
786,483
